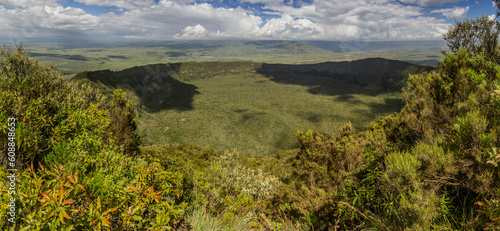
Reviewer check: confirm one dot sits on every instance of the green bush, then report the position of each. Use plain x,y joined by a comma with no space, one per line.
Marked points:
72,173
42,104
123,123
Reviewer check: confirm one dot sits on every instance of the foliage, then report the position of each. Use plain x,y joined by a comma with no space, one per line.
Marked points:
423,167
123,123
220,188
41,103
71,172
54,198
476,36
491,209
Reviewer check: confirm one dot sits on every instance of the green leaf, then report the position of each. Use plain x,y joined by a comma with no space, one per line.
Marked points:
25,228
49,214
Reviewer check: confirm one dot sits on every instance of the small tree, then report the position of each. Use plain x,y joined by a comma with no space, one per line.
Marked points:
31,94
476,36
46,109
123,123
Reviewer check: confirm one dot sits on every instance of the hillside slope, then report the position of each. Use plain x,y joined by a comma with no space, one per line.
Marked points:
377,73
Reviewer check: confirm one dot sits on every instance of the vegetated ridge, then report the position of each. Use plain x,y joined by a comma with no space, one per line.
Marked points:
378,73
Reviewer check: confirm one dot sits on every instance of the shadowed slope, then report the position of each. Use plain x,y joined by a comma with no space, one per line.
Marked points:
153,85
369,74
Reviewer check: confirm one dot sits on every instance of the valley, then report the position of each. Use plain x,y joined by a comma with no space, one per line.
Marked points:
255,107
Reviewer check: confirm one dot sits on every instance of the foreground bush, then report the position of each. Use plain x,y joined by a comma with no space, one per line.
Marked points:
422,168
73,173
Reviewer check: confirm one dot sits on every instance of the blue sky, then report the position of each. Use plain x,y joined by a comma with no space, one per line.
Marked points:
233,19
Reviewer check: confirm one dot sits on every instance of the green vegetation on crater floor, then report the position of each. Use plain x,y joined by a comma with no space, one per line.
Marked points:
254,107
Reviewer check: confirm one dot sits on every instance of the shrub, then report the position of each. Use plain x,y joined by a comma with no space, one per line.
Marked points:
81,180
123,124
43,105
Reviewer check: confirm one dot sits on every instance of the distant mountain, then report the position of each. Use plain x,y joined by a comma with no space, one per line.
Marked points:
356,46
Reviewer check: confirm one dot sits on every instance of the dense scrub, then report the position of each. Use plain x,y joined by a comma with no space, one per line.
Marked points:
74,167
434,164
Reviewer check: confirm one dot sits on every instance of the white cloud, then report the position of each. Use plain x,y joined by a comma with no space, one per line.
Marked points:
169,19
127,4
287,27
370,20
428,2
42,21
183,19
28,3
192,32
453,13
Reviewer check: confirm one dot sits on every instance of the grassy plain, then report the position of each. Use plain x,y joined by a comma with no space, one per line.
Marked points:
250,112
72,59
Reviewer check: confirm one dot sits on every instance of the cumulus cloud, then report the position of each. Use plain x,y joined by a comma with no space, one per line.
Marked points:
428,2
44,20
453,13
127,4
192,32
28,3
170,19
371,20
186,19
288,27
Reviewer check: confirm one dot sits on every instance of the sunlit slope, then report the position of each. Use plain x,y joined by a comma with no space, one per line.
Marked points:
256,107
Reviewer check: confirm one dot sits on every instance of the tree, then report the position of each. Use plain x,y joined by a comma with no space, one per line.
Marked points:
46,109
476,36
123,123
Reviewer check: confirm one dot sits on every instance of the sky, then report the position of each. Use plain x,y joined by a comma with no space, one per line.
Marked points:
132,20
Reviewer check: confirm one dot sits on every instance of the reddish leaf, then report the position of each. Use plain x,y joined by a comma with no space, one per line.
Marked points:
107,222
61,194
80,186
68,202
46,195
